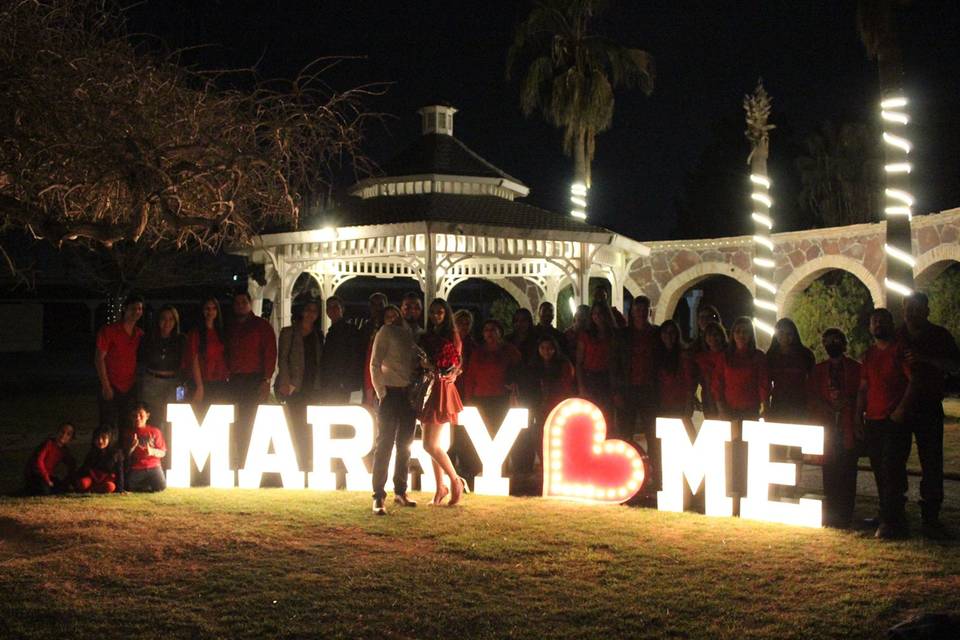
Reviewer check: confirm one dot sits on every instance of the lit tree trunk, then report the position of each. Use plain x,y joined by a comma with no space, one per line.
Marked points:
757,108
581,163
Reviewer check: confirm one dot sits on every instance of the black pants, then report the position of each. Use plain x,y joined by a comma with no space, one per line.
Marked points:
395,426
300,431
37,486
839,481
151,479
888,446
927,427
115,413
243,391
639,415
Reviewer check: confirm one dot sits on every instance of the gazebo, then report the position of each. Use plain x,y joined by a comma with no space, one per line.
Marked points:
441,214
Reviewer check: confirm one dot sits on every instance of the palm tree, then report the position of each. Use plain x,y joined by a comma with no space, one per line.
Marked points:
842,174
877,28
569,73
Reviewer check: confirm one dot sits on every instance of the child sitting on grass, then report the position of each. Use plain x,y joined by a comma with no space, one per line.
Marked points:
40,473
102,469
145,449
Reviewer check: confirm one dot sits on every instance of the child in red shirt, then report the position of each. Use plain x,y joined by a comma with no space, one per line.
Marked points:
102,469
145,449
40,478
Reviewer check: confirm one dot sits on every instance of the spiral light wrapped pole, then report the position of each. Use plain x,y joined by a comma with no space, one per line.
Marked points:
757,107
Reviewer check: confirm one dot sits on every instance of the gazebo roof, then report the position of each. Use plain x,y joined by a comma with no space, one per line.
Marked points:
462,209
437,153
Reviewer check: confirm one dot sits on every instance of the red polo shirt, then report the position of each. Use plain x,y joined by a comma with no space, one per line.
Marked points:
121,349
885,372
252,347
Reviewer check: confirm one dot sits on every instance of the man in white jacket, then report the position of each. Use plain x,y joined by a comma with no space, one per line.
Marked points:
393,361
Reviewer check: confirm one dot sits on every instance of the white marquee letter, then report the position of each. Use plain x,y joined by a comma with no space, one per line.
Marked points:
761,473
493,452
350,450
208,442
701,463
270,426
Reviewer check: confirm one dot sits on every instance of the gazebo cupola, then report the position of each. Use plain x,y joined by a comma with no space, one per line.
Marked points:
437,118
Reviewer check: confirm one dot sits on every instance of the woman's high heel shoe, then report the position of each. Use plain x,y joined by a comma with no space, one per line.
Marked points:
438,497
459,488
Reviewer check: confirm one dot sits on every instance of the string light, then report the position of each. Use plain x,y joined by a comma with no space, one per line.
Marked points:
578,196
762,198
766,327
763,304
764,249
899,201
896,287
764,240
899,167
902,256
765,284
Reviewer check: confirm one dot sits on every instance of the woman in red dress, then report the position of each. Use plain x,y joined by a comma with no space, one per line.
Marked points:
443,348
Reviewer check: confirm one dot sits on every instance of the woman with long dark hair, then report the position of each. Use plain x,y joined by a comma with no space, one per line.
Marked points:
206,358
442,348
523,336
674,374
161,354
594,358
708,364
553,376
790,366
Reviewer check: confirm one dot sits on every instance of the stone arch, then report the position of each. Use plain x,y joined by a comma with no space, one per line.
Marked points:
934,262
801,278
675,288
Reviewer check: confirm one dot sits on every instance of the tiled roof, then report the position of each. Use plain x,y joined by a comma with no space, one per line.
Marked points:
441,154
463,209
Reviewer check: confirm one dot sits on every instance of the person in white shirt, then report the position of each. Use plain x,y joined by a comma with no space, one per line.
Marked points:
393,361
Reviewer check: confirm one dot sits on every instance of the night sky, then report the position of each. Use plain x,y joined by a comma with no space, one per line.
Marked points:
708,55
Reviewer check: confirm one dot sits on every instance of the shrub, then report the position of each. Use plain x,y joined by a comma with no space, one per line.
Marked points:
834,301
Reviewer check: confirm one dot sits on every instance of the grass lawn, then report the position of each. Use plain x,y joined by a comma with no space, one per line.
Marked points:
255,564
204,563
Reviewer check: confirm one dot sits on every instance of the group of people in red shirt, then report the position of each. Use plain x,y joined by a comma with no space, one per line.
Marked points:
632,369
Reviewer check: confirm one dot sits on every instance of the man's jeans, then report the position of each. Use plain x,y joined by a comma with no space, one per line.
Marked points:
395,426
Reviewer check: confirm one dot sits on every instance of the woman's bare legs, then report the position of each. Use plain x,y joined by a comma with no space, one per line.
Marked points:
441,461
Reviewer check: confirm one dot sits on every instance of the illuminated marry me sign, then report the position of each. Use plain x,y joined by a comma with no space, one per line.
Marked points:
579,462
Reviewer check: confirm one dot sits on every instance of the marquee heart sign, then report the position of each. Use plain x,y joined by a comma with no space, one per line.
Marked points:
579,462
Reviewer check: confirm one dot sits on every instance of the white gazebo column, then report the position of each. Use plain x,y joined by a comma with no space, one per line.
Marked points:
693,298
431,279
551,291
